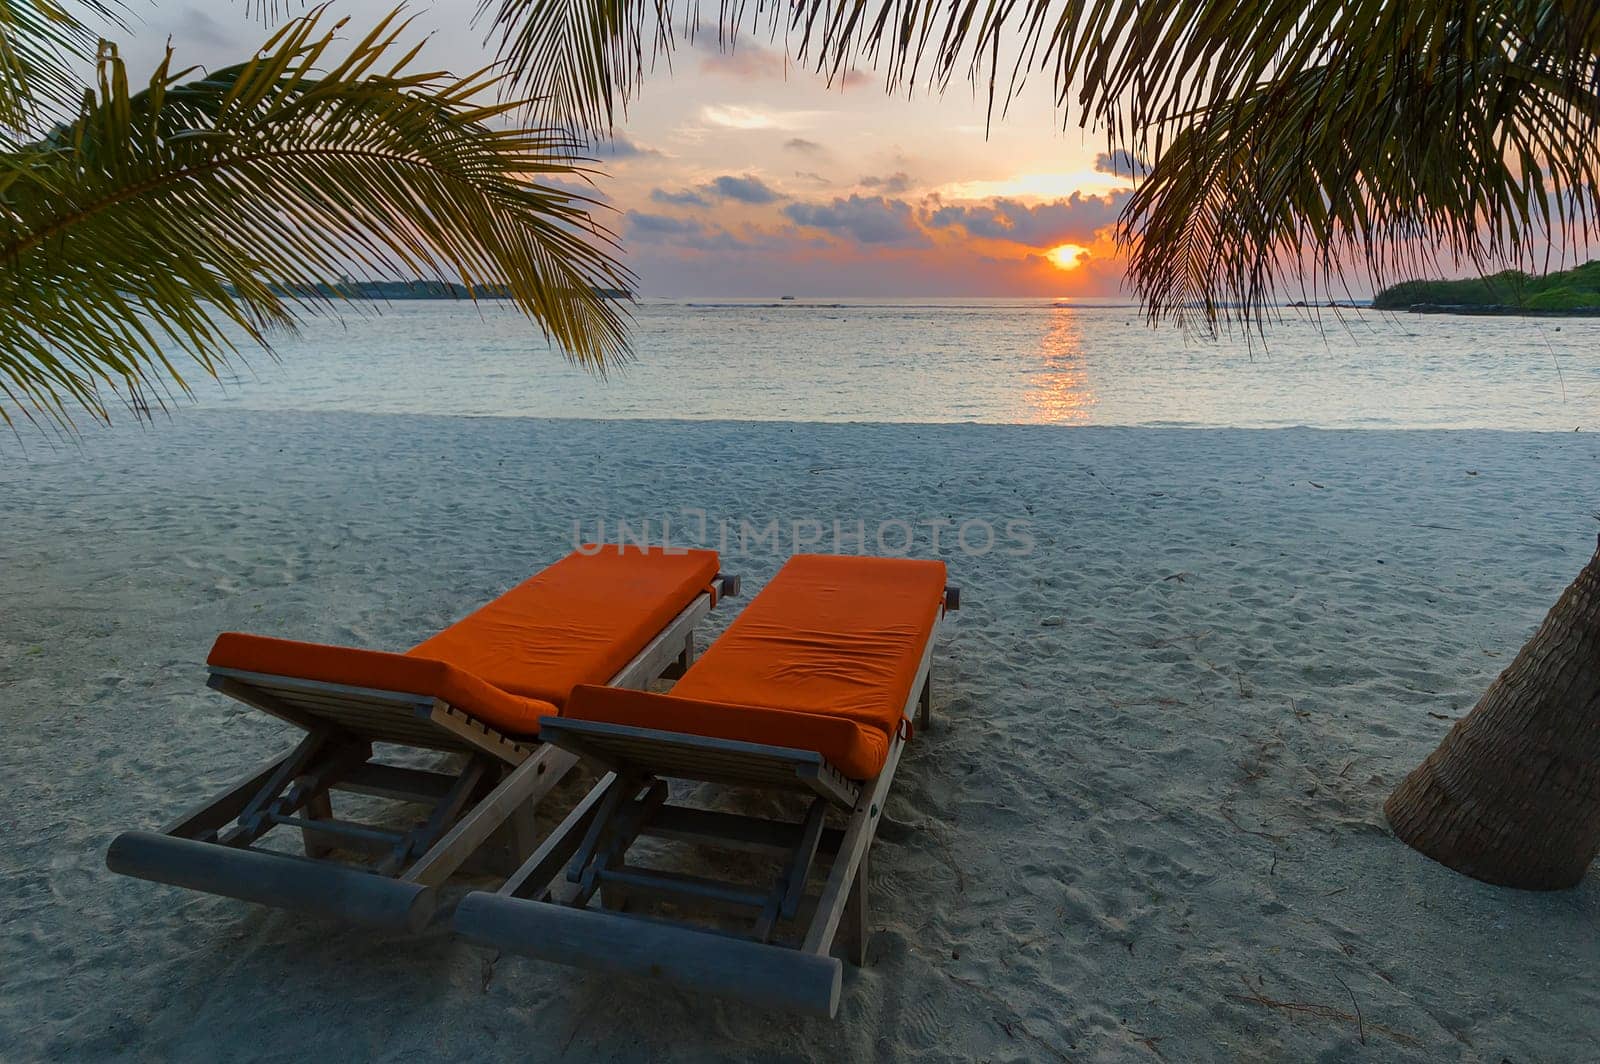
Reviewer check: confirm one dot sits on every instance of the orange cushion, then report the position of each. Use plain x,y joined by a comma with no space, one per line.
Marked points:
382,671
828,652
579,621
517,658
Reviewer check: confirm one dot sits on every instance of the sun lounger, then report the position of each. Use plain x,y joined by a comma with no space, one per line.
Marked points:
478,688
813,689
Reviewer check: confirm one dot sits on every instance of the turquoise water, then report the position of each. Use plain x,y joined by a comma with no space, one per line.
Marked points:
943,361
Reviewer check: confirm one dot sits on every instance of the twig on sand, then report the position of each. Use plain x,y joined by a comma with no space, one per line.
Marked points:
1361,1027
1325,1012
1227,814
1255,997
1150,1042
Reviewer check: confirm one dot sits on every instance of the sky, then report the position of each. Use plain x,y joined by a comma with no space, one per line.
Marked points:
738,174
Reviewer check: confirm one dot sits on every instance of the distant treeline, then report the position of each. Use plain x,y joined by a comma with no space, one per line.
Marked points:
1575,291
398,290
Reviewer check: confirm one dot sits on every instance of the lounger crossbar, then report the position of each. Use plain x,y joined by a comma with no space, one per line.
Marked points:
483,813
780,951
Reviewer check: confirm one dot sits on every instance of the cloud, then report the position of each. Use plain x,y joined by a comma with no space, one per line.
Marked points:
733,116
746,60
894,184
575,186
1122,163
1035,187
686,198
203,29
691,233
747,189
804,146
812,177
866,219
1075,218
643,225
620,147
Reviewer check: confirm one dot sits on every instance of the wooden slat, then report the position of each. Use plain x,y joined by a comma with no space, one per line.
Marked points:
688,756
395,782
862,828
394,725
375,723
341,829
551,857
323,698
227,804
664,649
648,755
733,831
676,884
592,731
391,725
528,783
474,731
257,679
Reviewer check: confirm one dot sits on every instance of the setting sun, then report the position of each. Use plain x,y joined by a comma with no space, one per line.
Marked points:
1066,256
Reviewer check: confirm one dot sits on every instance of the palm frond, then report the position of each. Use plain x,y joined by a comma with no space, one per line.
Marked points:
1326,170
41,42
578,60
1334,135
175,219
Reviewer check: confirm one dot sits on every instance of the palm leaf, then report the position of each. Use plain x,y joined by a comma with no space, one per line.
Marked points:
182,217
1288,138
578,60
41,41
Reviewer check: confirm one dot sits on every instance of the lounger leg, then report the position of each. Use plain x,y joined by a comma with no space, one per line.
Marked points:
613,897
514,841
317,807
860,917
523,833
614,830
680,664
925,704
526,785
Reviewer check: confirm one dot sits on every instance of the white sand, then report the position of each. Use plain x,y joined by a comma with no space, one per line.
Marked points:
1151,804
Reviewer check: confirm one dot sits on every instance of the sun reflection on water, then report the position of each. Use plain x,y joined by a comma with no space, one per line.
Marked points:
1059,392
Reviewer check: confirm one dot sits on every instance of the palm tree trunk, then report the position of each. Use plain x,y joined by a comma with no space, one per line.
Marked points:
1512,795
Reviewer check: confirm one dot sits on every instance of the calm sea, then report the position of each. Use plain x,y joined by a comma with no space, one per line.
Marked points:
942,361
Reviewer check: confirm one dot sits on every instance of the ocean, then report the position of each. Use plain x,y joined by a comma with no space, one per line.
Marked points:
991,361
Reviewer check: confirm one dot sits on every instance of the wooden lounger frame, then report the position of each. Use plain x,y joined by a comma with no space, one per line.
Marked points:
543,909
484,812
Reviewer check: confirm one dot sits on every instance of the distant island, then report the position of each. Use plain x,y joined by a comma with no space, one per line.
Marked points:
394,291
1574,293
